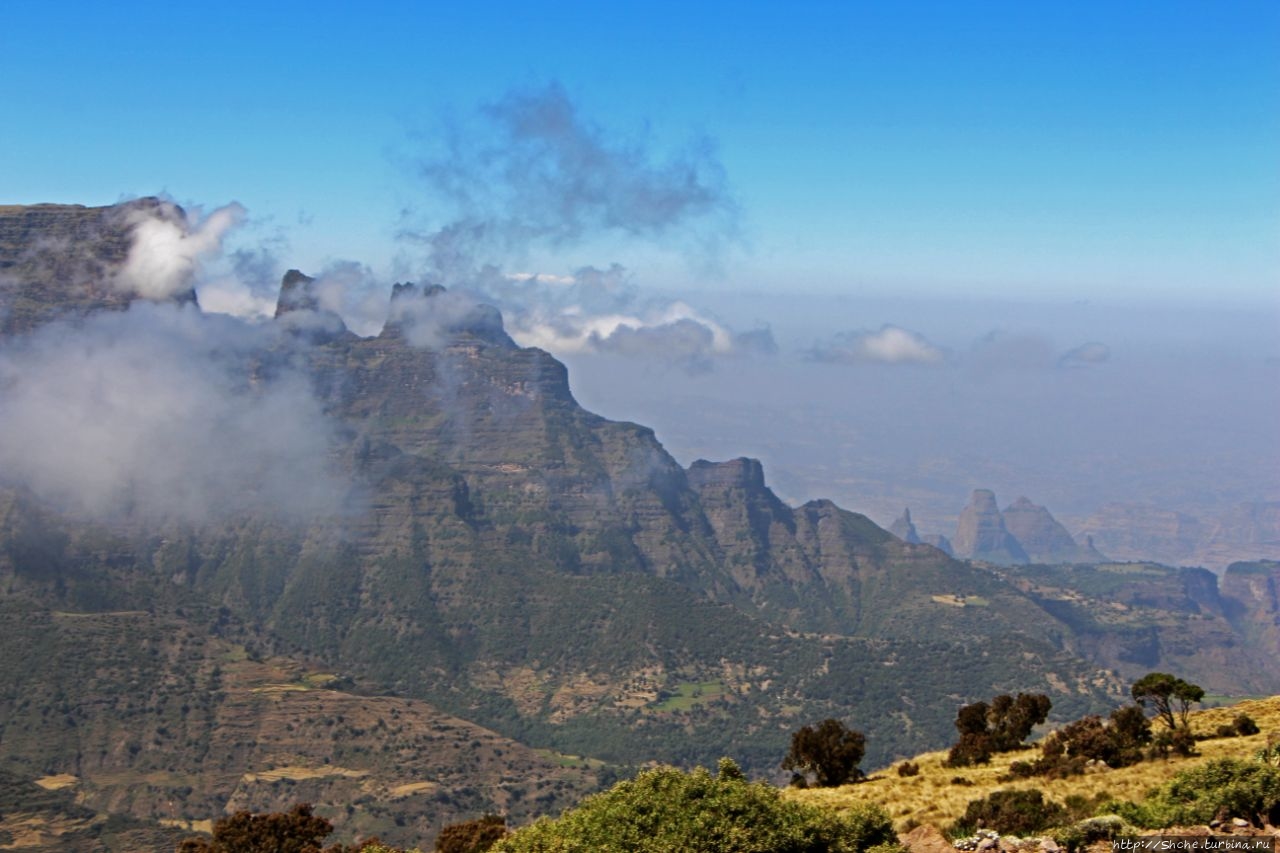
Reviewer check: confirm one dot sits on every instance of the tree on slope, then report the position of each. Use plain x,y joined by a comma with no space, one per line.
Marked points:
830,750
1167,694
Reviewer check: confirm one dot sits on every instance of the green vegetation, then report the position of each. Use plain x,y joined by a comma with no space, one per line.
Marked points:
831,751
1220,790
299,830
667,810
1166,694
929,797
1118,742
1001,726
689,695
472,836
1010,813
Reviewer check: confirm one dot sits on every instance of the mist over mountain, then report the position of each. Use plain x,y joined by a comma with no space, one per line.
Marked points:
424,521
1174,418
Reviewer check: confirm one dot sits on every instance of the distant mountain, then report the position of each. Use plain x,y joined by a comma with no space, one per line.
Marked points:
1250,531
1042,538
981,532
904,529
506,572
1023,533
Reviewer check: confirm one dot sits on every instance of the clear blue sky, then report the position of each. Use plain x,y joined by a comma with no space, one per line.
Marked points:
1091,149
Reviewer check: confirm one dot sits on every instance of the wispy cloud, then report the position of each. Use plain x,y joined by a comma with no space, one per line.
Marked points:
887,345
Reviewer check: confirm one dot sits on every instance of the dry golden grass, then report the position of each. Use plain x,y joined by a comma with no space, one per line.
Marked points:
205,826
57,782
408,789
299,773
932,796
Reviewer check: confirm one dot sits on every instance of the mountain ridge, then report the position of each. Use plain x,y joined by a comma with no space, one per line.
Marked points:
552,576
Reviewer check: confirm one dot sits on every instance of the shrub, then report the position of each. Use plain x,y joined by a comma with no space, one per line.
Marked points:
666,809
1083,833
472,836
1178,741
295,831
1116,742
1244,725
1010,813
829,750
1001,726
908,768
1219,790
972,748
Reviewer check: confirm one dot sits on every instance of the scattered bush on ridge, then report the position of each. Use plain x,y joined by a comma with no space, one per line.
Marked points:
1009,813
667,809
1219,790
1001,726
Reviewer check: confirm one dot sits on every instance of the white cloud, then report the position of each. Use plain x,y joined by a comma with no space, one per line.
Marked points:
168,246
887,345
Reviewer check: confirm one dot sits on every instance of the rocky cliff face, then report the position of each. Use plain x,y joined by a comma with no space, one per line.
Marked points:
1252,591
981,533
60,261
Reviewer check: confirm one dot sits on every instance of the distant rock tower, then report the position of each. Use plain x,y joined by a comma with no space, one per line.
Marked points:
981,534
904,529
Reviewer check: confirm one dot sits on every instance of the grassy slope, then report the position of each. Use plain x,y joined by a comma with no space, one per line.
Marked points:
932,797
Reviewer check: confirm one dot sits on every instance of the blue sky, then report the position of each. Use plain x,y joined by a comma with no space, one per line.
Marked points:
1093,150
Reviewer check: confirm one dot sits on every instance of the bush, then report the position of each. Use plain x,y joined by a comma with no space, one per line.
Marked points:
1117,742
472,836
1220,790
296,831
829,750
908,768
279,832
1001,726
666,809
1010,813
972,748
1178,741
1244,725
1081,834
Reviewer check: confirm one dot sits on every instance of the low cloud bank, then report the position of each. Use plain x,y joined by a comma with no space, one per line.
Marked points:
162,413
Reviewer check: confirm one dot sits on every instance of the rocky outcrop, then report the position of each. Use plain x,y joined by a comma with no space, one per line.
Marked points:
1042,537
904,529
981,534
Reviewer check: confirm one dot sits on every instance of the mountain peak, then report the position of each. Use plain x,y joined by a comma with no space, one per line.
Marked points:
433,316
1041,535
904,529
740,473
981,533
